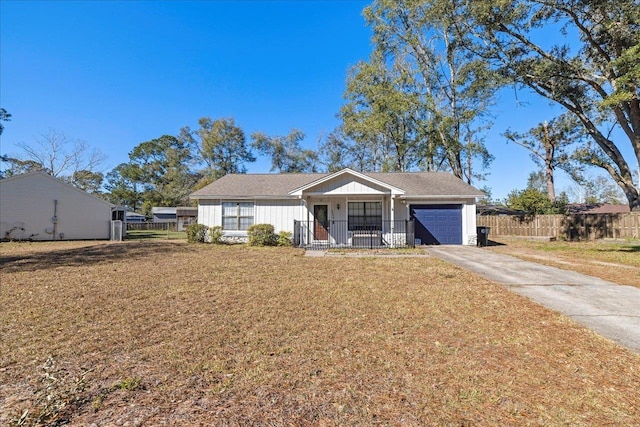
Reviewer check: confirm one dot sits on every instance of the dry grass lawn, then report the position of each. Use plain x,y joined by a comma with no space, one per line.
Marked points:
618,262
174,334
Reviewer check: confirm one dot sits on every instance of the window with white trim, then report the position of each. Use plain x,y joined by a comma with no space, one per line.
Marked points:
365,216
237,215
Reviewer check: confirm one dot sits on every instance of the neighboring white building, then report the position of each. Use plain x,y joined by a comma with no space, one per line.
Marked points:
37,206
345,208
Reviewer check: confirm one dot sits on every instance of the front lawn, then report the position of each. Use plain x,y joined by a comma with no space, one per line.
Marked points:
616,261
163,332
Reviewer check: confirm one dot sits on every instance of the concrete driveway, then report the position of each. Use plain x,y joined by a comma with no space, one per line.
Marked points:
610,309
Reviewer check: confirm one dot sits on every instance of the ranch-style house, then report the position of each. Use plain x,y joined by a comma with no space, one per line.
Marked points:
345,208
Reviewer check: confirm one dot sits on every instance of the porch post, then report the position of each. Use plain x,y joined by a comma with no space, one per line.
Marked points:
306,211
393,208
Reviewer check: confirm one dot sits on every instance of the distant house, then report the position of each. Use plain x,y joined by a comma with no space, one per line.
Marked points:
345,208
164,214
37,206
182,216
597,208
134,217
186,215
497,210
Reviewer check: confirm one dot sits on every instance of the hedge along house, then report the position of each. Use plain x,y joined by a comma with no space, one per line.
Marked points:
345,208
37,206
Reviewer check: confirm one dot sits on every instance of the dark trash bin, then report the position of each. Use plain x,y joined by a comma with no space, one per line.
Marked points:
483,235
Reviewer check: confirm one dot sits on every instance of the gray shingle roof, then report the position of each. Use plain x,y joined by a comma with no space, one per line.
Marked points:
275,185
249,185
428,183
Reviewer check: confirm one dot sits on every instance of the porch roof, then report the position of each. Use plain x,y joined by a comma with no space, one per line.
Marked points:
404,184
368,178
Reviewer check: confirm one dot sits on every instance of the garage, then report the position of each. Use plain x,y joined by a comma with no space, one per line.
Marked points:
437,224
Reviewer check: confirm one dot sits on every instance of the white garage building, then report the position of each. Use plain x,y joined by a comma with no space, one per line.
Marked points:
37,206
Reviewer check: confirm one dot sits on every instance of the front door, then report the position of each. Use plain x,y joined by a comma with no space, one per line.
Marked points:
321,222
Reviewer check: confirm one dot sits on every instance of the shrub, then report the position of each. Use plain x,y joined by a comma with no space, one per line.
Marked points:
197,233
262,235
215,235
284,238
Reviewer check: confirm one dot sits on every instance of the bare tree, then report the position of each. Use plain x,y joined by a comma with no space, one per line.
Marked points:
548,144
597,189
61,156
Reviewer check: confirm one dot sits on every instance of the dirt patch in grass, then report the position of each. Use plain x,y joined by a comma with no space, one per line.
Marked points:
156,234
377,252
170,333
615,261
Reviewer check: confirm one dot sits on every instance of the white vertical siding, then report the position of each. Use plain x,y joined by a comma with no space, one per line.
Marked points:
209,213
401,212
279,213
339,214
349,185
28,202
469,234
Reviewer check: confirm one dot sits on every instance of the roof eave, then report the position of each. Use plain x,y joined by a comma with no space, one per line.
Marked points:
237,197
440,196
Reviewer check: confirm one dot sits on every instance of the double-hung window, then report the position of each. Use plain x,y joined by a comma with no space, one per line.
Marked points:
365,216
237,215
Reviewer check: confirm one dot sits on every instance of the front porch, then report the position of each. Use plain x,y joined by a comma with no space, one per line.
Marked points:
329,234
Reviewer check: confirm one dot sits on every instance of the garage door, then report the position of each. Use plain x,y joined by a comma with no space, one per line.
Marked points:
438,224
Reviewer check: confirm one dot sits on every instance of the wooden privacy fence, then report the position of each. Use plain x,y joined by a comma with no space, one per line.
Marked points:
570,227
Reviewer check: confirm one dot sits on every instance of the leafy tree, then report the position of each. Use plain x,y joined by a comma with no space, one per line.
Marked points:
377,116
338,152
221,145
534,202
598,190
488,199
285,152
380,115
17,166
548,145
86,180
538,181
4,117
124,186
595,76
164,170
444,90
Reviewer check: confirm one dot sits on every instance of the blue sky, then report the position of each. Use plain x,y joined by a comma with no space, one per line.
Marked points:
116,74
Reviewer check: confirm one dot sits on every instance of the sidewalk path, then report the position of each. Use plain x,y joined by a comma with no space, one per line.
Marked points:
610,309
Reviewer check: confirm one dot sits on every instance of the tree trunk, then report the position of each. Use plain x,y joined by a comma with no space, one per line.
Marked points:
633,196
551,190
